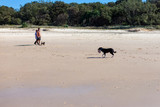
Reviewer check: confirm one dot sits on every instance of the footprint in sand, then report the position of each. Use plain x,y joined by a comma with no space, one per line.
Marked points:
155,60
121,50
133,57
139,49
158,90
58,55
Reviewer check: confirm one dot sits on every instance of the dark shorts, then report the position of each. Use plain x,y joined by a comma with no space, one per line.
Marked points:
38,38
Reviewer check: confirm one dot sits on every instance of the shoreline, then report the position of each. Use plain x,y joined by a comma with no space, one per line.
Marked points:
111,27
78,30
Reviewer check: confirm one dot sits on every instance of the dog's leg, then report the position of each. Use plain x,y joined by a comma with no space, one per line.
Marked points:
112,54
104,55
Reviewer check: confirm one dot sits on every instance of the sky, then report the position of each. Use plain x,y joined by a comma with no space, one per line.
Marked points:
16,4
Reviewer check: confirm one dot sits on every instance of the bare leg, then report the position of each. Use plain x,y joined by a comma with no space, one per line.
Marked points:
38,42
35,42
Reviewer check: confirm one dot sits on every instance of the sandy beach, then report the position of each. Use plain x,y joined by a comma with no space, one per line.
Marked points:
69,72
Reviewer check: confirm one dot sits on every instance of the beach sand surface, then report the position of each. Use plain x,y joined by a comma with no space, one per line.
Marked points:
69,72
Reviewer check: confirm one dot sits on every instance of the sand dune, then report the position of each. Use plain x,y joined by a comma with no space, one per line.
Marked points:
69,72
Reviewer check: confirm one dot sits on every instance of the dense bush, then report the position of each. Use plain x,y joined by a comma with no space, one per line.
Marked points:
86,14
24,25
6,15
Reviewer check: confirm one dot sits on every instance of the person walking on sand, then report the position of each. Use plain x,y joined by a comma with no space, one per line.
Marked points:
36,42
38,36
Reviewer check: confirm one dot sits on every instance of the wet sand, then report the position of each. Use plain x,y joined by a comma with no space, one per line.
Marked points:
69,72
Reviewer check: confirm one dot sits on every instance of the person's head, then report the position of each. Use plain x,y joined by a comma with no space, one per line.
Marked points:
38,29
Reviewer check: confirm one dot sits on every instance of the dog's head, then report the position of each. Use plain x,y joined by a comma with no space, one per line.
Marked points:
99,49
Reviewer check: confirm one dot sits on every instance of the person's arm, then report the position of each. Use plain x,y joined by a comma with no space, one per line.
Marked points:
39,34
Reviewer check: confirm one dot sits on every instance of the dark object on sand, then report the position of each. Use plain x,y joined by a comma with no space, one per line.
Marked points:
106,50
42,43
133,30
45,29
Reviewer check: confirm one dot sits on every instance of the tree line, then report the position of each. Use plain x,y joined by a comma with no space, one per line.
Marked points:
86,14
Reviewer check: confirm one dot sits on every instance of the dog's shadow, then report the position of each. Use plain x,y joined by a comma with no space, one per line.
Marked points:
25,45
96,57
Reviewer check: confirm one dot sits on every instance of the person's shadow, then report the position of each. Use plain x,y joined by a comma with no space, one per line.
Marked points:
25,45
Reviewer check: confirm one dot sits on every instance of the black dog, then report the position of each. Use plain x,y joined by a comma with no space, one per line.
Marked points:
106,50
42,43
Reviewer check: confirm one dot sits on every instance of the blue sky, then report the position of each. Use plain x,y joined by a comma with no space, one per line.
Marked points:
16,3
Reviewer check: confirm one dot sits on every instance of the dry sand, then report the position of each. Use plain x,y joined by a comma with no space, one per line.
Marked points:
69,72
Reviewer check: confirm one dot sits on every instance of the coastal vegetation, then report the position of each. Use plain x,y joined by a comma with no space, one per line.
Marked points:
125,13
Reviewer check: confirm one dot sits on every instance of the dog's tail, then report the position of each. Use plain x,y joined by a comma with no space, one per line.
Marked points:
115,51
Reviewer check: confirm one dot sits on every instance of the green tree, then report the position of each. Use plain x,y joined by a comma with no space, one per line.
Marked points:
134,13
62,19
16,21
57,8
6,15
111,4
122,12
73,13
106,16
35,13
84,9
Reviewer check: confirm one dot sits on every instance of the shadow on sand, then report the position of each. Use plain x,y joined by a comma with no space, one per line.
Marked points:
26,45
95,57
